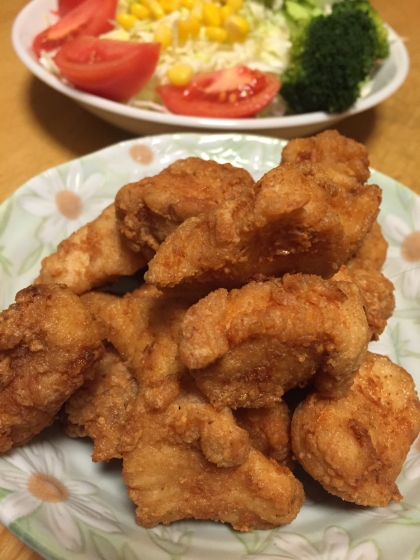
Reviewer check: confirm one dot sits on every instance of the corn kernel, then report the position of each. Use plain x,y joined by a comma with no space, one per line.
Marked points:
180,74
140,11
197,10
155,8
234,5
216,33
169,6
126,20
187,4
237,28
189,27
163,35
225,12
211,15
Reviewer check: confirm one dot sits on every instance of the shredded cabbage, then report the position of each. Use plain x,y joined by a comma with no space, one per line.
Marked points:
265,48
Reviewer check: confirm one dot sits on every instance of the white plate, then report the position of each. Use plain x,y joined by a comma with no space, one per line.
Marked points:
31,20
97,521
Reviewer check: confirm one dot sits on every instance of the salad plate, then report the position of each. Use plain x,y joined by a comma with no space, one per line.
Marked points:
32,19
80,510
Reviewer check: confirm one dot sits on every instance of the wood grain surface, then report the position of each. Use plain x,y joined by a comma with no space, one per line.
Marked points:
40,128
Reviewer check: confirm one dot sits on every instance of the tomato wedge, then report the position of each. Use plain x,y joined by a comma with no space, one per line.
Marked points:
66,6
226,94
112,69
91,17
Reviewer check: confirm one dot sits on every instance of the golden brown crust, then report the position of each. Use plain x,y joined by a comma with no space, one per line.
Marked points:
377,294
373,249
155,206
191,461
143,326
247,347
100,408
355,446
283,223
269,431
343,159
47,340
93,256
346,162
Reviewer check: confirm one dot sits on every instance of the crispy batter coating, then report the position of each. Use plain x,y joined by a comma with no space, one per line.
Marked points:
373,249
194,462
100,408
283,223
343,159
143,326
47,340
94,255
155,206
377,294
355,446
269,431
376,291
245,348
346,162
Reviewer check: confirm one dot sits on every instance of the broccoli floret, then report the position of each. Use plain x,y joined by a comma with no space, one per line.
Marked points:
332,56
381,38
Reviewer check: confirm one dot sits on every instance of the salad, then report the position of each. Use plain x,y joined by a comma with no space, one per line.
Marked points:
216,58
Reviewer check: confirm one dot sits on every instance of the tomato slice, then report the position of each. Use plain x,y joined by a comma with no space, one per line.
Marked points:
66,6
113,69
91,17
226,94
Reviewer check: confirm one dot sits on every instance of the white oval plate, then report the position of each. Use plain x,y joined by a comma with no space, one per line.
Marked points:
31,20
97,520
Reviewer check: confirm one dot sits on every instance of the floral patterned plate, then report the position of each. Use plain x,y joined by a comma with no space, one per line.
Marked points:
65,507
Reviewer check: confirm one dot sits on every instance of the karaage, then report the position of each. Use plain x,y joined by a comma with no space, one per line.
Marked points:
93,256
283,223
47,342
355,446
372,250
376,291
155,206
247,347
191,461
269,431
343,159
377,294
143,326
100,408
346,162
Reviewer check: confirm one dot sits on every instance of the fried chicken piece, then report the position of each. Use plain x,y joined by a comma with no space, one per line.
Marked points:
194,462
94,255
355,446
247,347
343,159
269,431
47,341
143,326
283,223
155,206
100,408
377,294
373,249
346,162
376,290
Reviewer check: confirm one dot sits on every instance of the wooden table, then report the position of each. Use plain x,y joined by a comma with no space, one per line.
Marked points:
40,128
